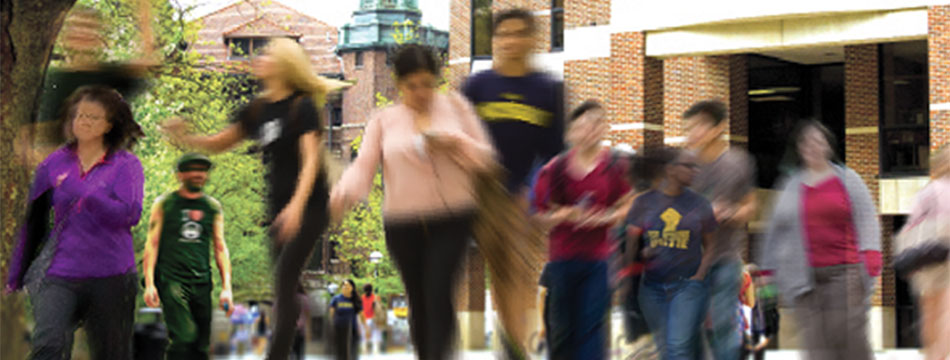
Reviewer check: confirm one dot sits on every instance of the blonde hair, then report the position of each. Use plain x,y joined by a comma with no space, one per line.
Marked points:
940,163
295,69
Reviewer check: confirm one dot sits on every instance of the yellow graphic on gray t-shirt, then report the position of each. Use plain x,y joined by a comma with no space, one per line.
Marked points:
671,237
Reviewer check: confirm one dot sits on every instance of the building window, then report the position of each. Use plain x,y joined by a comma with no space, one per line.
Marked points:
242,48
481,28
904,108
359,59
336,116
557,25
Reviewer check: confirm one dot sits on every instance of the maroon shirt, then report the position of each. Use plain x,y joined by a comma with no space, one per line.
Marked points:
829,228
600,188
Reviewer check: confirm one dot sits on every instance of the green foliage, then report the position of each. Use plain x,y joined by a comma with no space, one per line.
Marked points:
183,86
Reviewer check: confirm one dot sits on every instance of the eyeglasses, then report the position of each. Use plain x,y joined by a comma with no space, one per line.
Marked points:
90,117
512,34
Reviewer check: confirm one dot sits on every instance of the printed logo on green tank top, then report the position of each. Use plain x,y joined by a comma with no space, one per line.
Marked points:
184,250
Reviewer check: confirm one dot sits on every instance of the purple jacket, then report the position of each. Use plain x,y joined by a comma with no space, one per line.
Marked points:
94,216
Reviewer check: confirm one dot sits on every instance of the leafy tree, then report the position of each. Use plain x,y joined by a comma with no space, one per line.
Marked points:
185,85
28,30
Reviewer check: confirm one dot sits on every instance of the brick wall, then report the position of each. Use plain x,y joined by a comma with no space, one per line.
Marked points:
460,29
359,101
587,79
885,291
861,111
739,101
687,80
636,91
939,60
586,13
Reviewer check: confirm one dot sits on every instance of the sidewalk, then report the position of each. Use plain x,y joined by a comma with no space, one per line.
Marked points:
909,354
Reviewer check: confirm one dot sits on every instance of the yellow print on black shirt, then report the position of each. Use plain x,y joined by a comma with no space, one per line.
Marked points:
672,238
507,110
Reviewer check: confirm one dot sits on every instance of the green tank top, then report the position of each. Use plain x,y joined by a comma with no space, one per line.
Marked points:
184,250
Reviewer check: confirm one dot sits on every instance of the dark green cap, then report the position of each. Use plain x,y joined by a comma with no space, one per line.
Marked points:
193,158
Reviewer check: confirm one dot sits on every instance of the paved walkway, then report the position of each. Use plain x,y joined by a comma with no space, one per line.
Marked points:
487,355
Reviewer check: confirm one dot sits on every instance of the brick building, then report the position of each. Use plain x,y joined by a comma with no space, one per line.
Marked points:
876,72
233,35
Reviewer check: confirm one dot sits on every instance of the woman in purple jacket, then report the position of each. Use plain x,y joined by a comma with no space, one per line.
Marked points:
85,274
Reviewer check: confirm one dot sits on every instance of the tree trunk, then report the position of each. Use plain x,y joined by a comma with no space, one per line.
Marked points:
28,29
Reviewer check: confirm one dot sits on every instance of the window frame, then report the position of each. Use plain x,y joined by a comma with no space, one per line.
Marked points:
251,39
555,10
358,59
885,168
228,41
472,32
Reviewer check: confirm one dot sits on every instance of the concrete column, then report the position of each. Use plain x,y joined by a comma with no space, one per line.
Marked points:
687,80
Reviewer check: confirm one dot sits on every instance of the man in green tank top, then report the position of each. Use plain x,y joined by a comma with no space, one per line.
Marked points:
185,224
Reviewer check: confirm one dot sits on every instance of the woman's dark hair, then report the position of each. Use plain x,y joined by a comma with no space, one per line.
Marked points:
354,296
793,158
583,108
125,131
368,289
514,14
411,58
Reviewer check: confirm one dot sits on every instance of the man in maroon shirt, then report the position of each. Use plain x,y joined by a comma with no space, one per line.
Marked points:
581,194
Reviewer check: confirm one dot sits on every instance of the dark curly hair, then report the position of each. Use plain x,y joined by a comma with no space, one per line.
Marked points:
125,131
411,58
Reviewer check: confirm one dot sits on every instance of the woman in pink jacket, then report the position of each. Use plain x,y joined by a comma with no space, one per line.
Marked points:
429,145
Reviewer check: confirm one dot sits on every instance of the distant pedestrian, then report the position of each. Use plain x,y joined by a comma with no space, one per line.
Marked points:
346,314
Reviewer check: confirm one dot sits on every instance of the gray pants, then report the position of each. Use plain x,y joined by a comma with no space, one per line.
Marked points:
832,318
105,307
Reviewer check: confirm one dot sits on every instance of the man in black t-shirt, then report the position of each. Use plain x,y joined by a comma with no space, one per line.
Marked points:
523,111
523,108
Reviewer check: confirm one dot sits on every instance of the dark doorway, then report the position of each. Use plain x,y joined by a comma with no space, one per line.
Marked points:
908,313
780,94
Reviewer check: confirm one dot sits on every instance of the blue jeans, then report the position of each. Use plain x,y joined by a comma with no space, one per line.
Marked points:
578,299
725,281
674,312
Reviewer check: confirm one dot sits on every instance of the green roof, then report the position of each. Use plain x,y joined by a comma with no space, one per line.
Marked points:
387,23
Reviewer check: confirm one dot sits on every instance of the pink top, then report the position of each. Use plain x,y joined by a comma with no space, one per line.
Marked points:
417,182
829,227
931,201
